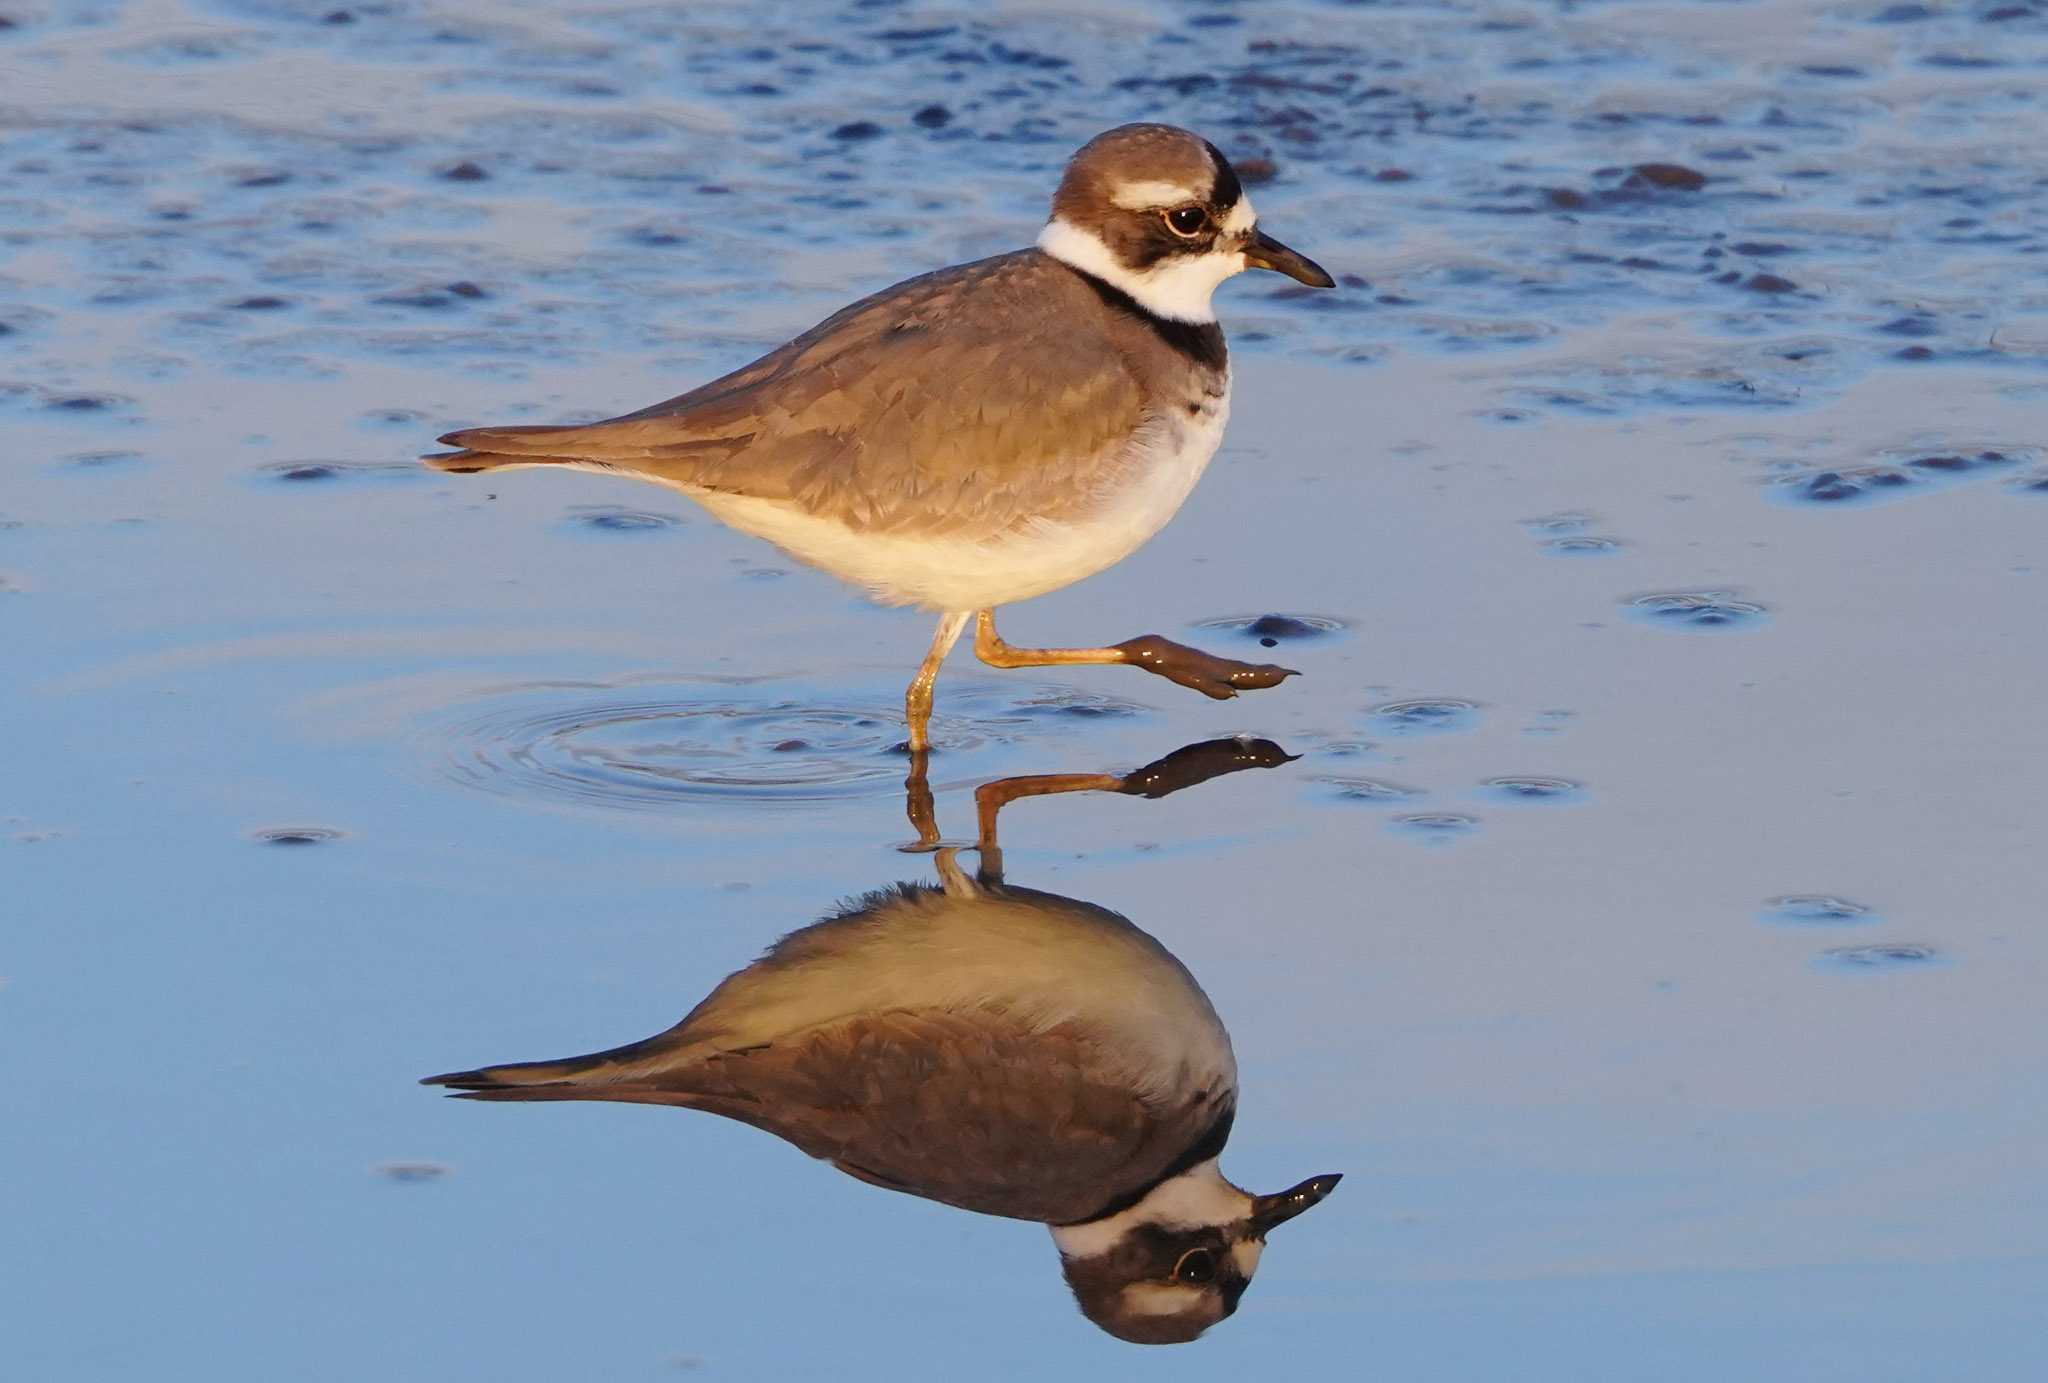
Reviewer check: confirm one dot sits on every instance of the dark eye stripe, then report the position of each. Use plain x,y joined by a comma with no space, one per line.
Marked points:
1228,189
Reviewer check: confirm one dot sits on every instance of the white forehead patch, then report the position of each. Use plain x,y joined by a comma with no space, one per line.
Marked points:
1240,218
1245,1254
1143,196
1161,1298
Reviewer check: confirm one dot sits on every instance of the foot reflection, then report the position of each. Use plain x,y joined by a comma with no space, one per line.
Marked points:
996,1048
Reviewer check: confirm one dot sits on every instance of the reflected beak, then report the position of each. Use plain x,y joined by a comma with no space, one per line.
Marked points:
1282,1206
1264,252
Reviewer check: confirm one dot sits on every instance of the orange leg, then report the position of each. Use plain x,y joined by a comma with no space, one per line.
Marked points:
1221,678
917,701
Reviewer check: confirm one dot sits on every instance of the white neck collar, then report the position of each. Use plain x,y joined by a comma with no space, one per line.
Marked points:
1177,289
1200,1196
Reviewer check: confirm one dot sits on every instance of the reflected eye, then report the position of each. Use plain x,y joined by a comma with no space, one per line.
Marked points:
1196,1265
1187,221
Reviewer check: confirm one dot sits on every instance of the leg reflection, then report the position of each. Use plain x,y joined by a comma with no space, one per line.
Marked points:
1183,768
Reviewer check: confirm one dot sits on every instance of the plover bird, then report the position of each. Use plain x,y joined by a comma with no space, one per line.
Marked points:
986,433
995,1048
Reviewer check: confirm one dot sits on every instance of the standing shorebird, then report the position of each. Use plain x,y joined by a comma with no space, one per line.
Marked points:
995,1048
986,433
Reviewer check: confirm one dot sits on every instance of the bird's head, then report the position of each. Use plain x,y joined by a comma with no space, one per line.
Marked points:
1167,1268
1159,213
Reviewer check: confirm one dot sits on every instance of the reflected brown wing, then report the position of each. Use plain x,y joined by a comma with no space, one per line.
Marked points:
944,395
968,1108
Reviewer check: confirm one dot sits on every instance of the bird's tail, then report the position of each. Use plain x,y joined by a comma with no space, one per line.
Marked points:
638,1073
499,448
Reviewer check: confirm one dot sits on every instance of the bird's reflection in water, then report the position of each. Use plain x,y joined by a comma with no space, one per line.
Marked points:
997,1048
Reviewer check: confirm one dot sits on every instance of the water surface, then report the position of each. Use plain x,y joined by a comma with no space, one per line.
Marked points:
325,773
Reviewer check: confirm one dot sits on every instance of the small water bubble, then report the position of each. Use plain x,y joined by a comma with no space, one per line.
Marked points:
1958,463
1702,610
1434,828
1884,955
1371,790
1558,525
393,417
1846,486
1528,790
1425,716
294,836
318,471
83,403
1816,908
616,519
1583,545
1272,630
413,1172
94,460
1665,175
1076,705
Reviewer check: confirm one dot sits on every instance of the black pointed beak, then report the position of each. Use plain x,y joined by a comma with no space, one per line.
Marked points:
1282,1206
1264,252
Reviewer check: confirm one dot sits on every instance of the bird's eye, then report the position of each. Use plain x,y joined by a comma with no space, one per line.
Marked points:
1187,221
1196,1265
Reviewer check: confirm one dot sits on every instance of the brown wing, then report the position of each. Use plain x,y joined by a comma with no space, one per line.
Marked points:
941,395
961,1107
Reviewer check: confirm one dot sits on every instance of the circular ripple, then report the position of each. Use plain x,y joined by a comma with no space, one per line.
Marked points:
1272,630
1809,908
1888,955
637,748
1371,790
1434,828
1425,716
1582,546
1554,524
293,836
1525,790
606,518
1705,610
319,472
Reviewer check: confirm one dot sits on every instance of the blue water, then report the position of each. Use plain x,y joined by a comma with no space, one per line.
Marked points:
324,773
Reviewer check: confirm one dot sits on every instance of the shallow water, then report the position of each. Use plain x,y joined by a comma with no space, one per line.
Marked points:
1649,926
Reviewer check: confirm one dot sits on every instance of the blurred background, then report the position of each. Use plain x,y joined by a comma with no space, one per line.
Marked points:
1650,926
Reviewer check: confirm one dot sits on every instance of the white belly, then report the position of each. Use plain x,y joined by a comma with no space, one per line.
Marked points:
964,573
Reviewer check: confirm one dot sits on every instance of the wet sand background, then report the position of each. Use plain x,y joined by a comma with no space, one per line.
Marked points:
1650,927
